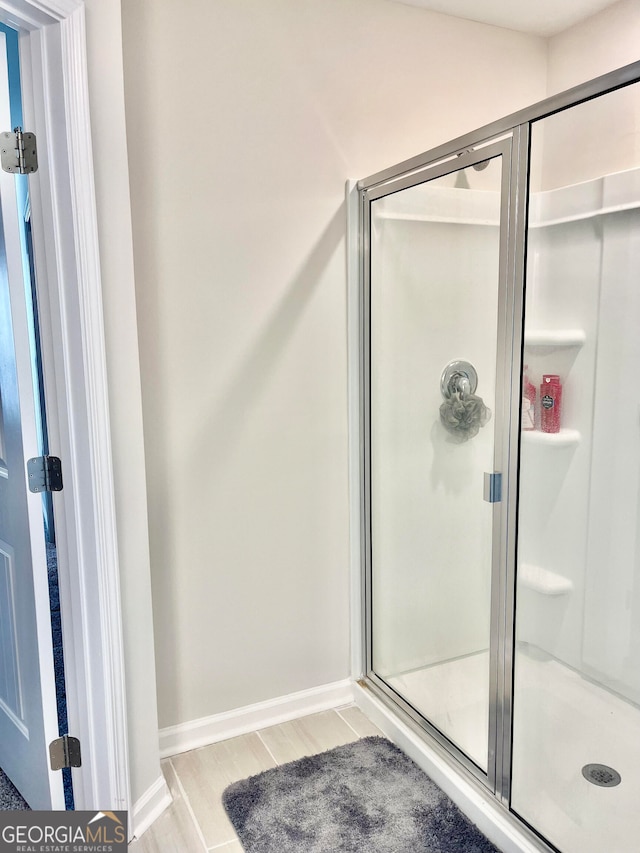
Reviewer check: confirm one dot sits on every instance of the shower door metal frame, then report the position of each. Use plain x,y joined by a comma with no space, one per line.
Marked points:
438,161
508,149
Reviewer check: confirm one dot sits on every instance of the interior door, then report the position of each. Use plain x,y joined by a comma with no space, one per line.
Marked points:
436,327
28,706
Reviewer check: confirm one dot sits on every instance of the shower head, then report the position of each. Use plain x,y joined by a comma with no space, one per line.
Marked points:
479,167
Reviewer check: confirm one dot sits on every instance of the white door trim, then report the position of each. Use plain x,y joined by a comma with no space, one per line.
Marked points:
56,107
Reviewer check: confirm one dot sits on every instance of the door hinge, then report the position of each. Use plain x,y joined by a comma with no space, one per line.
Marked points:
45,474
65,752
18,152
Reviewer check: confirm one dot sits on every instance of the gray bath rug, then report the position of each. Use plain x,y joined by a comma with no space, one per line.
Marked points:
10,798
364,797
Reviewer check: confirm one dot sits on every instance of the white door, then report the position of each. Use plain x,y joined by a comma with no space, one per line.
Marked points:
28,711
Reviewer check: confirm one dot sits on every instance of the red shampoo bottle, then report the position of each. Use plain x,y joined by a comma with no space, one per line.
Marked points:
550,403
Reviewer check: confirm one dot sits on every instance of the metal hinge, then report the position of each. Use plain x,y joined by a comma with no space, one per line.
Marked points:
45,474
65,752
18,152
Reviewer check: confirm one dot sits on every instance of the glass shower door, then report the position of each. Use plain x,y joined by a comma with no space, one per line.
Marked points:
436,309
576,706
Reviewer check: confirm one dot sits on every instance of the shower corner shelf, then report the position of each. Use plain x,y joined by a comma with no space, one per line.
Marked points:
543,581
564,438
556,338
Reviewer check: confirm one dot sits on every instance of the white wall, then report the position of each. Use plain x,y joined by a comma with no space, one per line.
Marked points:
602,43
245,117
104,42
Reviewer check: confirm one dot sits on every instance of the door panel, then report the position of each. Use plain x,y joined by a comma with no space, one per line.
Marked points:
436,290
10,687
28,711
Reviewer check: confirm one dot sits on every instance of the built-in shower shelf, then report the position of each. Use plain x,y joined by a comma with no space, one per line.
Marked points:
564,438
556,338
582,216
542,580
440,220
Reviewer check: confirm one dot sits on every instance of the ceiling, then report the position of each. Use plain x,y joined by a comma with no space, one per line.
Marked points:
542,17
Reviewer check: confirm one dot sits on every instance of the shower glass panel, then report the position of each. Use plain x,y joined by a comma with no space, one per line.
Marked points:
434,299
576,711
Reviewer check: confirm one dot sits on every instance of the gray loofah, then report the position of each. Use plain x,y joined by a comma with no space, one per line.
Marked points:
463,415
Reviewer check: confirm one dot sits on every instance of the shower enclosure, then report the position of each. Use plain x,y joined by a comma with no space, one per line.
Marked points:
500,436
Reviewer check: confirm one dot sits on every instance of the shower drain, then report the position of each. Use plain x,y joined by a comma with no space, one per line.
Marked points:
600,774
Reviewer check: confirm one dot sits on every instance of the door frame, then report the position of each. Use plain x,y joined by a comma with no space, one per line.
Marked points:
506,149
65,230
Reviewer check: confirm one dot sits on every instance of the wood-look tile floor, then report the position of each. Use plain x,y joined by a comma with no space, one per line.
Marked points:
196,821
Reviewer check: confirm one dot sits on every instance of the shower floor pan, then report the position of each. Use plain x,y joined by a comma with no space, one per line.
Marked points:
562,722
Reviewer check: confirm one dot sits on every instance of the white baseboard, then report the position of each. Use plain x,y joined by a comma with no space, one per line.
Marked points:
500,827
150,806
206,730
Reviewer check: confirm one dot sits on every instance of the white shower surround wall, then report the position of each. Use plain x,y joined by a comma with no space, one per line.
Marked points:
584,275
579,496
432,535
